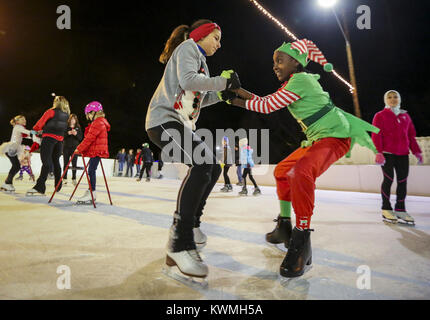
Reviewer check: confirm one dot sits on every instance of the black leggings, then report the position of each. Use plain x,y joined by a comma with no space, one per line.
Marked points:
16,166
146,166
50,152
247,171
401,165
225,173
198,183
67,153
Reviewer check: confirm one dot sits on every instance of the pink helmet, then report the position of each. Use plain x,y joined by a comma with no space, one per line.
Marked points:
93,106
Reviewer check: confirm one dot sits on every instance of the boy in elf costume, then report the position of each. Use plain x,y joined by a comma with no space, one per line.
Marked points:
330,133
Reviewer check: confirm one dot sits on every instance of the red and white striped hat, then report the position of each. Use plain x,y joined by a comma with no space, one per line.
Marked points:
304,51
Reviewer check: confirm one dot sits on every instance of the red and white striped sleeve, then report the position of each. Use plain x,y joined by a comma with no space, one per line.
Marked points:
273,102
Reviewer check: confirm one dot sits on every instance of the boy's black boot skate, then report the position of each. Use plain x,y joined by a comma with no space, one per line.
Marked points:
281,233
299,254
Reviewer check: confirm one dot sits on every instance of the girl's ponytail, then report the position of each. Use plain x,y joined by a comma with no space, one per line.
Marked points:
178,35
15,119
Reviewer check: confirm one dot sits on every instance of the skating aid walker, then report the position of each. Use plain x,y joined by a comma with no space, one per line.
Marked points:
90,200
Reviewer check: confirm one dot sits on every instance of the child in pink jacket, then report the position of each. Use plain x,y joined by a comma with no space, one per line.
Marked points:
393,142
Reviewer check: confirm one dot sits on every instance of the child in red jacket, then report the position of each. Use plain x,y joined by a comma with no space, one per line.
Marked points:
94,145
393,142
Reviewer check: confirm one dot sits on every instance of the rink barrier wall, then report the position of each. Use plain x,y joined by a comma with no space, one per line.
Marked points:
357,173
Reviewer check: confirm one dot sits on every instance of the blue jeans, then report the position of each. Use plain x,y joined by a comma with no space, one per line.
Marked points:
121,166
92,168
239,172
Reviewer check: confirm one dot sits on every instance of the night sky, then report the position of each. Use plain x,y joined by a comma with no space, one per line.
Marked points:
111,55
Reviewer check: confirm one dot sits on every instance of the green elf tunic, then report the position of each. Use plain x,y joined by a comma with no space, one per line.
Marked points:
331,121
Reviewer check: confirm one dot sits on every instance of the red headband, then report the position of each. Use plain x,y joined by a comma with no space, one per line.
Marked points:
203,31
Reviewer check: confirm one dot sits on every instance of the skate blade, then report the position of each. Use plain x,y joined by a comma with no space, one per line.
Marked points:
389,221
406,223
287,281
84,203
277,246
34,195
192,282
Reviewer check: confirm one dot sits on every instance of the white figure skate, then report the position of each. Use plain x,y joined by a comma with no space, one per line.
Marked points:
86,198
199,238
404,218
190,268
388,216
8,188
33,192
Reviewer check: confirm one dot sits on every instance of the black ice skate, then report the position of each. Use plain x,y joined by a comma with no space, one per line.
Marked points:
256,192
281,233
299,254
224,189
244,192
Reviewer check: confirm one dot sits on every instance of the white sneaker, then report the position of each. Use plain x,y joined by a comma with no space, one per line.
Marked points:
188,262
199,238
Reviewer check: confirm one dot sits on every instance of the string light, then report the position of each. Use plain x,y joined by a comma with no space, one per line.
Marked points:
291,35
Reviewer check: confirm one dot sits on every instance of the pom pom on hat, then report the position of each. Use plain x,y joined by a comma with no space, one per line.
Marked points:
328,67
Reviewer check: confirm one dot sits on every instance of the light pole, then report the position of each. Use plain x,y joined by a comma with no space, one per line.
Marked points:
330,4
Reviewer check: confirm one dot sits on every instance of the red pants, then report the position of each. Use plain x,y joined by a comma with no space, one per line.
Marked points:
296,174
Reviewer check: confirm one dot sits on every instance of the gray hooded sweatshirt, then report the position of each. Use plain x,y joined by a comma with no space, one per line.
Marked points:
180,79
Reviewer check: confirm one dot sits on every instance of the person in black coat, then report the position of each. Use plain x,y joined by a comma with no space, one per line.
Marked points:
72,138
147,160
130,162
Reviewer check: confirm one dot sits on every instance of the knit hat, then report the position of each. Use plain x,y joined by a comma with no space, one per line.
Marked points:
305,50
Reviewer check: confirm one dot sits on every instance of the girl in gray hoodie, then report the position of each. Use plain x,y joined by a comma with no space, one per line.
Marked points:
185,88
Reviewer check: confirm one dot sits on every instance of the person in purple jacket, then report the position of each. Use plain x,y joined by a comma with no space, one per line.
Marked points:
393,142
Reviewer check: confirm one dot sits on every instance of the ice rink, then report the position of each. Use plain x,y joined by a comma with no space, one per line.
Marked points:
117,252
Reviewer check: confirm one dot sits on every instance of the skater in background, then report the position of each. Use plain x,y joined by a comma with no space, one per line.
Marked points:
184,89
160,166
121,160
330,133
72,138
94,145
129,159
25,161
247,163
237,163
393,142
147,159
14,148
138,161
54,124
227,162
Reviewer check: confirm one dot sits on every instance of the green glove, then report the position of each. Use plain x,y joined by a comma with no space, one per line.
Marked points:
233,81
226,96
